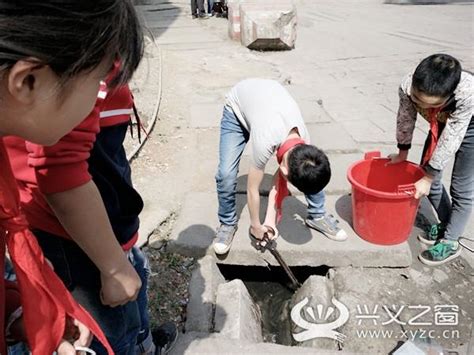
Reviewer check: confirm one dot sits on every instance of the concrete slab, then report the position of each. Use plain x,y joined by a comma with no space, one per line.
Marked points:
332,138
194,343
205,280
340,163
312,111
237,316
301,91
469,233
348,104
183,35
152,216
365,131
416,2
299,246
205,115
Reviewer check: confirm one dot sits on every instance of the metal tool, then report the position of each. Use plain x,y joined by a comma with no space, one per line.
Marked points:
270,244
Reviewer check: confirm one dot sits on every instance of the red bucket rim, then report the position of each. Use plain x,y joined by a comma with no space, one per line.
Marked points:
376,193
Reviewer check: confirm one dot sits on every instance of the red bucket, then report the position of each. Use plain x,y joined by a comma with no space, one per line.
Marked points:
383,206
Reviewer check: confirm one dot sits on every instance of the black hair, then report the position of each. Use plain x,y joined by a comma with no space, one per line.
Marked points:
437,75
71,36
308,168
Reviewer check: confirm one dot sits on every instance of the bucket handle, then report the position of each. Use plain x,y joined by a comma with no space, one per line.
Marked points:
408,189
372,155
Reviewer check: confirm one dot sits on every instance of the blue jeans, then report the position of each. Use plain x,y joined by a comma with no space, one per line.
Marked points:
210,5
124,326
233,139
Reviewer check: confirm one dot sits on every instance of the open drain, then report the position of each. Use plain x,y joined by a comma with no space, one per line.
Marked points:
272,291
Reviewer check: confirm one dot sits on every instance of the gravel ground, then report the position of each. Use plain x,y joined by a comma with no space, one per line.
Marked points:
169,279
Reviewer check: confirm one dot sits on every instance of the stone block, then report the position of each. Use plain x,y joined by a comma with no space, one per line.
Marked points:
233,28
205,280
237,316
313,303
268,26
364,292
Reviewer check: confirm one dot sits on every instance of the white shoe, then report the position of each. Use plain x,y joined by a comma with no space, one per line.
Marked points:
223,240
329,226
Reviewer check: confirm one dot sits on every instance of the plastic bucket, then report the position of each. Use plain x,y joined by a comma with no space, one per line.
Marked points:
383,204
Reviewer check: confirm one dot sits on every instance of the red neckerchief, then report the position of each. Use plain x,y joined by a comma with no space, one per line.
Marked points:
46,301
282,184
434,131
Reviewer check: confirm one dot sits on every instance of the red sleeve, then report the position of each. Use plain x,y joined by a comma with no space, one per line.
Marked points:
64,166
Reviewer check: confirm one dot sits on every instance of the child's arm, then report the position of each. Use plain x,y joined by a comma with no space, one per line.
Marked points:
255,178
270,218
406,120
63,178
83,215
406,117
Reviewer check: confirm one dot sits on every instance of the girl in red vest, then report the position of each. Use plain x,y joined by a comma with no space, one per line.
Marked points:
49,50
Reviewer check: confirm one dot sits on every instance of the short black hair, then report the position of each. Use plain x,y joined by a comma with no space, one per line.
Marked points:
437,75
308,168
71,36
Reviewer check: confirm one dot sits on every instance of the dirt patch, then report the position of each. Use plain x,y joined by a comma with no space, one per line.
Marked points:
168,286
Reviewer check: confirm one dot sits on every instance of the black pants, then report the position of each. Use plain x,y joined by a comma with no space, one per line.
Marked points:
197,5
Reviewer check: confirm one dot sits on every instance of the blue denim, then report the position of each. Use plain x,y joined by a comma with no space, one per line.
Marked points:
19,348
316,203
140,261
121,325
210,5
233,139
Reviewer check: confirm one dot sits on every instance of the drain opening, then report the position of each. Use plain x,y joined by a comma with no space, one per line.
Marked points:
271,290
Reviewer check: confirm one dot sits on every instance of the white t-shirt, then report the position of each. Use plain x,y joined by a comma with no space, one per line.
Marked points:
268,112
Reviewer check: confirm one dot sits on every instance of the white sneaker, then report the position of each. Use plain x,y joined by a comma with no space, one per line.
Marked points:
223,240
329,226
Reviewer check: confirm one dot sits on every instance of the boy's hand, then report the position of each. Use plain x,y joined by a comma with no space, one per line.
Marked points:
76,334
258,231
271,235
261,230
423,187
120,287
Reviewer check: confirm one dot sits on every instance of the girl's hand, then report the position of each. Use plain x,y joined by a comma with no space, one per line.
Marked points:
398,158
423,187
76,334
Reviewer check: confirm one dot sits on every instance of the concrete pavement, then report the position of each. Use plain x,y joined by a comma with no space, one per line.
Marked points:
349,59
348,62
